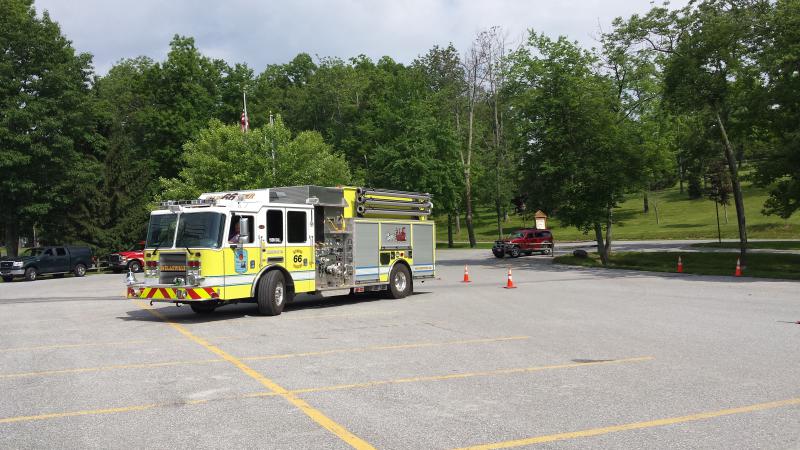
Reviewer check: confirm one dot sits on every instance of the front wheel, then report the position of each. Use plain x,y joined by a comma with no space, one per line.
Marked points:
31,273
499,254
400,282
80,270
272,293
514,252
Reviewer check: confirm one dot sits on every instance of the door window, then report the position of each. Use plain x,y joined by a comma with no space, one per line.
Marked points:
274,226
48,252
61,252
235,229
296,227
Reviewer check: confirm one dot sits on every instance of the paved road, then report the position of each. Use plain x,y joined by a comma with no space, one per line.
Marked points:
573,358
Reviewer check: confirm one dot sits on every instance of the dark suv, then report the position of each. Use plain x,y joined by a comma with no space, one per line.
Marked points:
524,241
56,260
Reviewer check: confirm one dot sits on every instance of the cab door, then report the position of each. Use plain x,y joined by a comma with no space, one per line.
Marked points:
274,245
60,260
300,248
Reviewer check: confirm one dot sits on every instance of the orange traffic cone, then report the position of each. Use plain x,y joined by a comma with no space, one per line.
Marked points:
510,282
680,265
466,275
738,272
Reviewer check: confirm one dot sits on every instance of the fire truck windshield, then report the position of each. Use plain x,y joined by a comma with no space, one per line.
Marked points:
200,229
161,230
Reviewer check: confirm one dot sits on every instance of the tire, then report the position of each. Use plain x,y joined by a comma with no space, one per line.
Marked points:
204,307
79,270
8,279
514,252
499,255
135,266
400,282
31,273
272,293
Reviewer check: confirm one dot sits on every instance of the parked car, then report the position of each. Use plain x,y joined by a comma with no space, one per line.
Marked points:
524,242
56,260
131,259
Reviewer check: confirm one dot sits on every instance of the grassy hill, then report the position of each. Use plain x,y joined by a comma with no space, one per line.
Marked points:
680,218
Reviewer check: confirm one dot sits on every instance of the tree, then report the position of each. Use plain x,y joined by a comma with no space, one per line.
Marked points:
778,165
223,158
48,139
719,190
575,137
709,66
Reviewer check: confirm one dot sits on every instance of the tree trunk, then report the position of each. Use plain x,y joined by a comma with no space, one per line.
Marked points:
725,209
646,206
655,208
12,238
499,211
609,222
601,248
719,231
458,222
737,190
468,204
450,230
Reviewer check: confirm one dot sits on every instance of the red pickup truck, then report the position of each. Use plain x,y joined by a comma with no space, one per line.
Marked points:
131,259
524,241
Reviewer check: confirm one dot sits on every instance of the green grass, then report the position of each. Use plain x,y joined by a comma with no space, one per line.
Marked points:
680,218
773,245
761,265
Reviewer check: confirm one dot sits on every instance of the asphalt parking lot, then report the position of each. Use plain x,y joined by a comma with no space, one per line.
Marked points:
572,358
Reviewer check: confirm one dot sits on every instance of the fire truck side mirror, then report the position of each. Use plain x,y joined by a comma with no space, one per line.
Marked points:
244,230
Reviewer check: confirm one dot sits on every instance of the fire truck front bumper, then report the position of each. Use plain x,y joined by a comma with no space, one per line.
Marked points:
172,294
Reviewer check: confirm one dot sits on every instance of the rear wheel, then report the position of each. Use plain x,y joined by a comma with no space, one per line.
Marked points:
8,279
400,283
80,270
31,273
204,307
272,293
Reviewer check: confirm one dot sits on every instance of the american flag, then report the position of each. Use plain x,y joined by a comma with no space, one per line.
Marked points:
245,122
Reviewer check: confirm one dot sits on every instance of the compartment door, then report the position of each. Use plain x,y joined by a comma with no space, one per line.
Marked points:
366,248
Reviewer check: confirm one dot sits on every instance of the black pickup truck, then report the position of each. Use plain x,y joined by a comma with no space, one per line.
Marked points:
47,260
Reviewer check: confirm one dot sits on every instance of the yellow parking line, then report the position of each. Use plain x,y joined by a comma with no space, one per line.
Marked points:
272,393
313,413
256,358
637,425
103,344
454,376
105,368
384,347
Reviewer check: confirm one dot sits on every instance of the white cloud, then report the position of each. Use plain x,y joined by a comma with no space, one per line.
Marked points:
265,32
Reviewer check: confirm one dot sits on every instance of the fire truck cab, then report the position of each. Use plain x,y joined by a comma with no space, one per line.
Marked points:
267,245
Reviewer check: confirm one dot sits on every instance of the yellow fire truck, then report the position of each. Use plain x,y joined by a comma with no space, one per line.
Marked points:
267,245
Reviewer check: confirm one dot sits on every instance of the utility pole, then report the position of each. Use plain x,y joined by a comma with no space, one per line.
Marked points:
272,125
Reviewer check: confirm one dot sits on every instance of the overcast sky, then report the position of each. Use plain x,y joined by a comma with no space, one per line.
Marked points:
267,31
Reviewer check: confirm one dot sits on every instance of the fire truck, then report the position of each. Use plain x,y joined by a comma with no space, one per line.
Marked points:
266,245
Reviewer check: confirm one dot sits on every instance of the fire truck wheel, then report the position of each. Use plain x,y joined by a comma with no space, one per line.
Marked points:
400,283
272,293
204,307
514,252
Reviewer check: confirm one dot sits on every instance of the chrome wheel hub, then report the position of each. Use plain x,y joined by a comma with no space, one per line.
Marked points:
400,281
278,294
